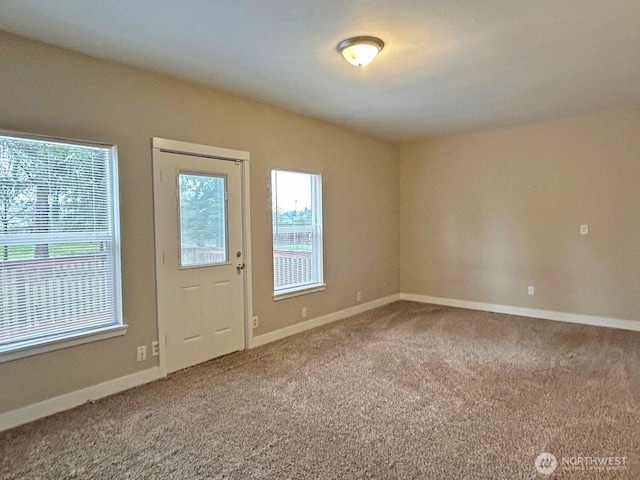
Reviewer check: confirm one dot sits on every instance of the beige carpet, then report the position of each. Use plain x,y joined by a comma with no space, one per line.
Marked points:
404,391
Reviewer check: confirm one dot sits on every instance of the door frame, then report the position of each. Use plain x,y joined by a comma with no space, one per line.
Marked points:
218,153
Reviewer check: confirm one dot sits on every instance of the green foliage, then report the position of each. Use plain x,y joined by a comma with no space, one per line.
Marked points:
292,217
202,210
56,250
288,247
48,187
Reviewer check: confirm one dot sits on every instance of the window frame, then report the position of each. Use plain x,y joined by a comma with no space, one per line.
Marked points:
55,341
318,251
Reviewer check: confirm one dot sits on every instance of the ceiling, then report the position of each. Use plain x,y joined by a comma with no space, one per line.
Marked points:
447,66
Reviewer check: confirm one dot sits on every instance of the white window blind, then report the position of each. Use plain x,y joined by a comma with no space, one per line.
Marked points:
59,240
297,231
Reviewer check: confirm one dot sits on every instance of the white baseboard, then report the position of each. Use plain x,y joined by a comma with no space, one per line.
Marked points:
67,401
527,312
316,322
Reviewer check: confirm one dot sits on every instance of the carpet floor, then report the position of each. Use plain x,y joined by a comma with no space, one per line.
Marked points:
404,391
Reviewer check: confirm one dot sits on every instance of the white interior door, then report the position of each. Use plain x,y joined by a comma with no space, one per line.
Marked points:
199,257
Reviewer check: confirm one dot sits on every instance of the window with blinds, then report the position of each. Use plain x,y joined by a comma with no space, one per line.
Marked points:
59,241
297,231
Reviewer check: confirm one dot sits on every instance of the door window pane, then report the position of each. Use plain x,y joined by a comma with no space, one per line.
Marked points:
203,219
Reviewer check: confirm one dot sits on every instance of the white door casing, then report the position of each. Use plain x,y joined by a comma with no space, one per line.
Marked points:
203,298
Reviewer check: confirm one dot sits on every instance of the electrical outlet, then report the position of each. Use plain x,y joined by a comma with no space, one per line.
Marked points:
155,348
359,296
142,353
584,229
255,322
304,312
531,291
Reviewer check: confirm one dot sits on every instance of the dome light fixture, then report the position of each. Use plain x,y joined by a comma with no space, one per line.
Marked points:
360,51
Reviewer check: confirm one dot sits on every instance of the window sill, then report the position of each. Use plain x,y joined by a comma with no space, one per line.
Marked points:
296,292
35,347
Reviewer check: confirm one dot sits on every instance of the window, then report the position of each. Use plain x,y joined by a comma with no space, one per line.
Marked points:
59,243
297,232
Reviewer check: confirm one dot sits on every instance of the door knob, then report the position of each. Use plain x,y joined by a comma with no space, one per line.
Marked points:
240,266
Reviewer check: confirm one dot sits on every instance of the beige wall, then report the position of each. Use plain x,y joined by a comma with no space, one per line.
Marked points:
485,215
50,91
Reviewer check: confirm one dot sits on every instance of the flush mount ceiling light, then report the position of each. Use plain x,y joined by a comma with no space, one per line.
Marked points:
360,51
